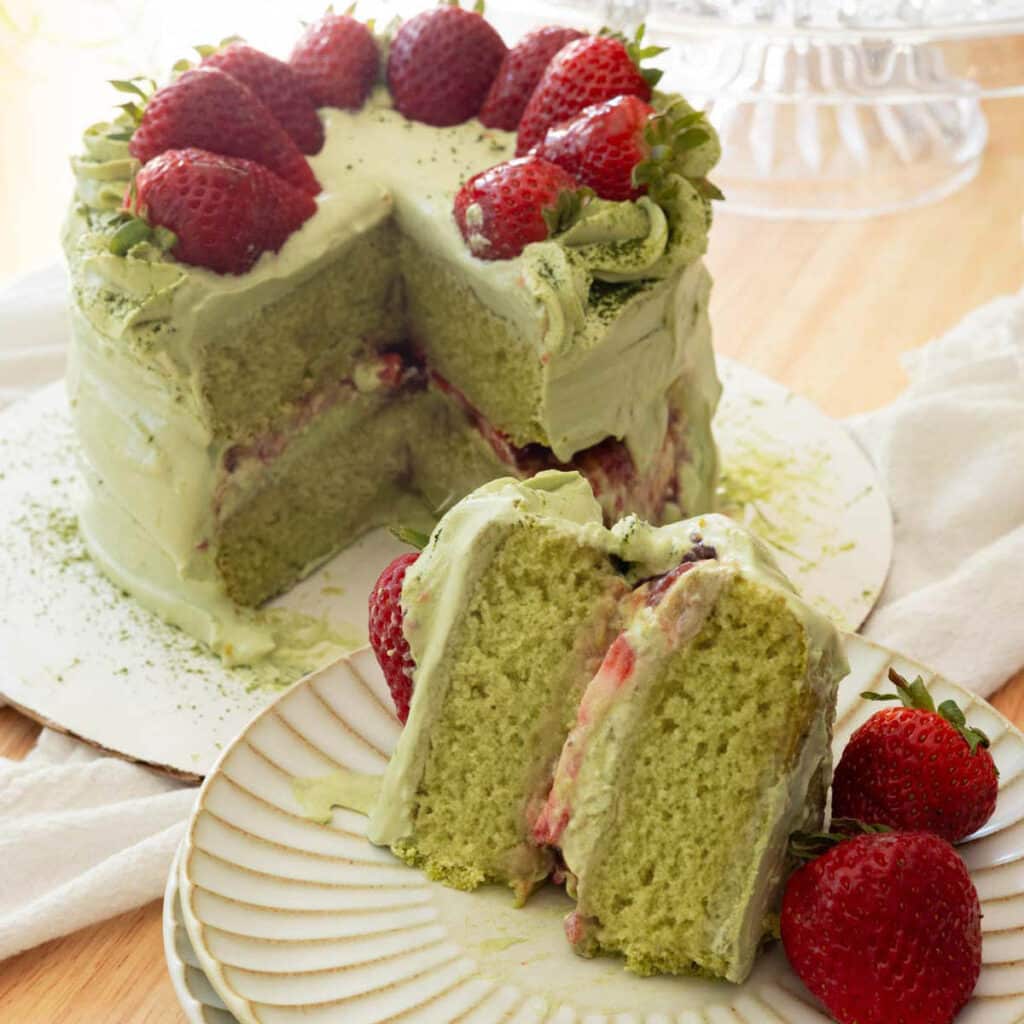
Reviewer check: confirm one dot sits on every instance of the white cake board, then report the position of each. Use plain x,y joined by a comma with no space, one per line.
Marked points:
77,654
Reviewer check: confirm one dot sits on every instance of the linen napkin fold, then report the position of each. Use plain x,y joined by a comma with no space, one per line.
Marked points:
950,452
84,836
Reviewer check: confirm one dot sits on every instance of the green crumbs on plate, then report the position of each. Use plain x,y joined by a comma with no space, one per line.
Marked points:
351,791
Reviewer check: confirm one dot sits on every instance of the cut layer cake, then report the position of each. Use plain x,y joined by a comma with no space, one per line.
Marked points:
646,711
240,422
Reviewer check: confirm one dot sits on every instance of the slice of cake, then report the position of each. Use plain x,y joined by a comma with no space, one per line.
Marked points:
684,763
507,612
245,415
701,744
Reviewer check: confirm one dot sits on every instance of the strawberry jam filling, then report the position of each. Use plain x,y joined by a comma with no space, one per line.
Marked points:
613,682
607,465
610,684
386,371
659,586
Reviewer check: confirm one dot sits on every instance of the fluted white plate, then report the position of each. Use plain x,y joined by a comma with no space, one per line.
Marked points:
290,921
196,996
79,655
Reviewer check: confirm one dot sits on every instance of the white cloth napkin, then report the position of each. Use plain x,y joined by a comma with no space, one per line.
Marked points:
83,836
951,454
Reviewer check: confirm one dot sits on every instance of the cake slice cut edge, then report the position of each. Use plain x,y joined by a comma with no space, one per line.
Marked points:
702,743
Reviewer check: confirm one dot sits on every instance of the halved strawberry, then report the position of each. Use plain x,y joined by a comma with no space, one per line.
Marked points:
337,59
225,211
387,637
501,210
278,86
206,108
588,71
521,69
442,63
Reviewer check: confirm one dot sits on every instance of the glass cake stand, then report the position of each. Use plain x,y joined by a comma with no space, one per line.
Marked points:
831,108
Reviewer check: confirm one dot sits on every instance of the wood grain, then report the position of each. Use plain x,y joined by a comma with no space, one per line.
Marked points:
825,308
17,734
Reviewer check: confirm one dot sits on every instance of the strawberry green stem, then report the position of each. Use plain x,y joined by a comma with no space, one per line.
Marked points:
414,538
915,696
806,846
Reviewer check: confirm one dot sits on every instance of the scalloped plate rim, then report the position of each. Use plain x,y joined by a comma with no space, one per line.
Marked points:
180,881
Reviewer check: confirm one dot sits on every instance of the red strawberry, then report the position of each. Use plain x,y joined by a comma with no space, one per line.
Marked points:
885,929
224,210
442,63
501,210
207,108
520,71
602,145
277,86
916,767
386,635
588,71
337,59
622,148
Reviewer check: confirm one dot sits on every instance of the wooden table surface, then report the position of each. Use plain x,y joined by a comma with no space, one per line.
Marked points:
825,308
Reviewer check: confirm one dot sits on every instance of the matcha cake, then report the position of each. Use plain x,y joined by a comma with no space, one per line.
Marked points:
508,612
686,760
239,428
701,744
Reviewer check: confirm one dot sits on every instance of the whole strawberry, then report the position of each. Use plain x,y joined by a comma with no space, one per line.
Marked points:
206,108
225,211
602,145
917,767
588,71
623,149
520,71
386,634
337,59
885,929
503,209
278,86
442,63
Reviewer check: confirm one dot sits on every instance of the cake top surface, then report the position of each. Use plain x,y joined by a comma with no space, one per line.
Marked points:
574,301
375,160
